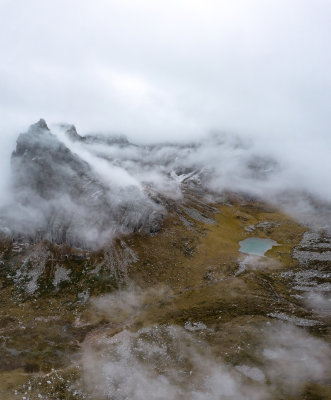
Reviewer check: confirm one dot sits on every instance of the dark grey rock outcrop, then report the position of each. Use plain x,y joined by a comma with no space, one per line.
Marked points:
60,197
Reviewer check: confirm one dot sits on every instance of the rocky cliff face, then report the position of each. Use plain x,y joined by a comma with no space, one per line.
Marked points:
61,198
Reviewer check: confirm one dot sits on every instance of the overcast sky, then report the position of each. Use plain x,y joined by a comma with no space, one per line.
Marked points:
175,69
168,69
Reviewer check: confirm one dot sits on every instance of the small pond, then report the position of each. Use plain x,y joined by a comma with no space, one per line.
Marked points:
256,246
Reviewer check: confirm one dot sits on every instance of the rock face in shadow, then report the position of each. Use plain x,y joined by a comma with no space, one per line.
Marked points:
49,169
60,197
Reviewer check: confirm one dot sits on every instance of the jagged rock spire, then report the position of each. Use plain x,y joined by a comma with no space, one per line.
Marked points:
40,125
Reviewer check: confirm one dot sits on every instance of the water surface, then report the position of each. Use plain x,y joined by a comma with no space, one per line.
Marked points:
256,246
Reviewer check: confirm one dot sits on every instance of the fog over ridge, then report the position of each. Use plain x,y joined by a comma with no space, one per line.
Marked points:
174,71
84,190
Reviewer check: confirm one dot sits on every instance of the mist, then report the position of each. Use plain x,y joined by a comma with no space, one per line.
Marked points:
143,106
176,362
86,190
177,72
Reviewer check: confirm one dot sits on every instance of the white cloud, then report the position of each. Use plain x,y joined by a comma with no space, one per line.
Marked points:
176,70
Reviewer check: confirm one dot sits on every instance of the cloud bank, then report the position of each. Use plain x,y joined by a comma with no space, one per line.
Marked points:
84,190
177,72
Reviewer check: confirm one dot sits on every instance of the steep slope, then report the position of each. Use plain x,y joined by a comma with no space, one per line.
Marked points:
61,198
167,308
190,275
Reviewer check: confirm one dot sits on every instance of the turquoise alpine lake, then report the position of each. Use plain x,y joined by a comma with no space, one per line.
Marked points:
256,246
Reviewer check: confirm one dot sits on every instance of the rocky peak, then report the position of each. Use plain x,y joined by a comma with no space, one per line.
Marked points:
71,132
64,199
39,126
